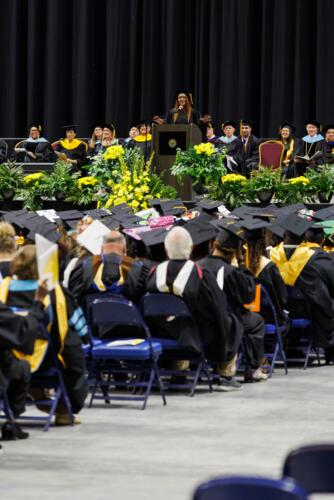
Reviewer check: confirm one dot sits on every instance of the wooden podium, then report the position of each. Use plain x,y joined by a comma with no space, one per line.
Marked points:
166,140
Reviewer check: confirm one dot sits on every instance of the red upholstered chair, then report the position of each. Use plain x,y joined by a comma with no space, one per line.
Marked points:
271,154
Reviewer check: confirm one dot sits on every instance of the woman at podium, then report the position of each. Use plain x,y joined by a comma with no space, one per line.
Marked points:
183,112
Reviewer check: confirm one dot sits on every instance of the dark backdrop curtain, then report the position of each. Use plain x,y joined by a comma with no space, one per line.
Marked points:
87,61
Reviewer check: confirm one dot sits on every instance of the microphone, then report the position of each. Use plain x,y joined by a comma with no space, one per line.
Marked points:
180,108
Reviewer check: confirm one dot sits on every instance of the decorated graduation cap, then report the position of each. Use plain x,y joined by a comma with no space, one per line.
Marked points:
295,224
287,125
229,123
313,122
185,92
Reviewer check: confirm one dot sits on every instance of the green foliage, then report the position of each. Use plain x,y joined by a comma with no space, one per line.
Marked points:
232,190
60,180
158,188
262,180
10,177
297,189
202,162
322,179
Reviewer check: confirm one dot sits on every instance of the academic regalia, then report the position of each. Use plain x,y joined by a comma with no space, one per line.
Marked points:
100,147
177,117
74,150
17,332
310,269
239,286
67,326
207,304
270,278
247,155
40,147
232,145
327,149
308,148
144,143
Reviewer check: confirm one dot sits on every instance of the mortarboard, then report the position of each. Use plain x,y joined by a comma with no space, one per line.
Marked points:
35,125
327,127
312,122
97,213
325,213
48,230
200,230
70,127
287,125
111,222
248,123
171,207
110,127
295,224
230,232
254,227
210,205
121,208
276,229
186,92
229,123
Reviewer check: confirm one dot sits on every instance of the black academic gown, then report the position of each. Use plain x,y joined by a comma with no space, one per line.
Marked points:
327,149
17,332
271,279
78,153
247,155
4,269
72,353
42,150
216,326
181,118
239,287
306,148
316,281
233,150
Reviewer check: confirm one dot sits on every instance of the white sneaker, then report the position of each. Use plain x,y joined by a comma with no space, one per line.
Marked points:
259,375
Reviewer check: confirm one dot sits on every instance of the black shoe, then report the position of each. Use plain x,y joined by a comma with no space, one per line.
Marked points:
12,431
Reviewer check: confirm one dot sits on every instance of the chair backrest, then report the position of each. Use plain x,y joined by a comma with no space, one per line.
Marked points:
249,488
312,466
116,311
271,154
164,304
269,307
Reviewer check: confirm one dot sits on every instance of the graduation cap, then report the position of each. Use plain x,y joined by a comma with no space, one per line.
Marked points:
327,127
229,123
126,220
313,122
144,121
112,223
324,214
230,232
187,93
200,230
110,127
248,123
171,207
35,125
253,228
97,125
48,230
70,127
121,208
295,224
276,229
287,125
209,206
291,209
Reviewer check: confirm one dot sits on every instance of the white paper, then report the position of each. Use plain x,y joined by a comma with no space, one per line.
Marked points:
92,237
47,261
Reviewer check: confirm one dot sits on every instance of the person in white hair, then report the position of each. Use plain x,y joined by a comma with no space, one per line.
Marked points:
217,329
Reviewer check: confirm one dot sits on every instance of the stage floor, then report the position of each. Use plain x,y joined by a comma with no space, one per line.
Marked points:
162,453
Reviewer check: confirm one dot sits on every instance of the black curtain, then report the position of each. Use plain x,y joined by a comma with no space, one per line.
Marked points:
90,61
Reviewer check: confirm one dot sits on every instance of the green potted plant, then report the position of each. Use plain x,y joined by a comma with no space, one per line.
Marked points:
203,163
85,191
297,189
263,184
33,190
60,183
322,182
10,180
232,190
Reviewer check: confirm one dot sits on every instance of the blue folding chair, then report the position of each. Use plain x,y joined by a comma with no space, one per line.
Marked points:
162,305
303,324
138,363
273,333
312,466
249,488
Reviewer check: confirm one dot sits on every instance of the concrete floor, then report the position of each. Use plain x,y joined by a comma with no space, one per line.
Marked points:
164,452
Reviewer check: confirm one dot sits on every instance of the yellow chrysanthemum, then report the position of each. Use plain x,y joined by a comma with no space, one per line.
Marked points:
113,153
87,181
299,180
233,178
204,148
31,178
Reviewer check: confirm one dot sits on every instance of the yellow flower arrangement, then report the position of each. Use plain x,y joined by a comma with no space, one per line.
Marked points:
299,180
204,148
33,178
87,181
233,178
133,188
113,153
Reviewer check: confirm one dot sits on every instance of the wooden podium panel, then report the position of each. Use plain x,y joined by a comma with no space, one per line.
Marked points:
166,140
